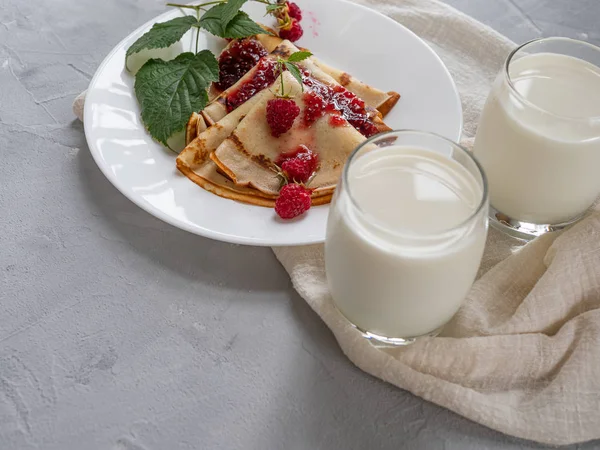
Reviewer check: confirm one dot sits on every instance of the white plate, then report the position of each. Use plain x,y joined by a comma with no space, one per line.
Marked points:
362,42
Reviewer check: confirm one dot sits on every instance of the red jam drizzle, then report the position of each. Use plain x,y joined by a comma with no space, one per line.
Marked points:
301,151
333,99
337,121
265,74
237,60
314,107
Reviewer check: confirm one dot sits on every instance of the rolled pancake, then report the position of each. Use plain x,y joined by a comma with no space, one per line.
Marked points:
374,98
194,161
381,101
197,161
191,129
194,127
248,156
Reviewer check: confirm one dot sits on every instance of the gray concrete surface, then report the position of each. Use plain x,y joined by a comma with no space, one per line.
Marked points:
118,331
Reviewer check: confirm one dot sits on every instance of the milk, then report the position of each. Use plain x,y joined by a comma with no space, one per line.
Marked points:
542,167
393,269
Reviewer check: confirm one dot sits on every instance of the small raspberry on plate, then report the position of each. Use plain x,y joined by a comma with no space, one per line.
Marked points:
293,200
298,165
294,11
292,31
281,113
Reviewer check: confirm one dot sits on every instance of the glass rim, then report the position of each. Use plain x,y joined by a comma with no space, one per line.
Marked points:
529,103
424,235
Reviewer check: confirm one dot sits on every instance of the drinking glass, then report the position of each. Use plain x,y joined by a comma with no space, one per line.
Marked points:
405,235
539,137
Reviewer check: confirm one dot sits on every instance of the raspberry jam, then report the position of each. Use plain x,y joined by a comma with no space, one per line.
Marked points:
314,107
302,150
337,121
336,98
265,74
237,60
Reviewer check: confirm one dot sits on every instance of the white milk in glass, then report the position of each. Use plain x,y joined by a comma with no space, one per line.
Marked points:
542,155
393,268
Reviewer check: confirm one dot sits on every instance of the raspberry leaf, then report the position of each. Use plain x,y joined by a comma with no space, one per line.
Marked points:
242,26
239,26
170,91
295,72
211,20
230,10
163,35
299,56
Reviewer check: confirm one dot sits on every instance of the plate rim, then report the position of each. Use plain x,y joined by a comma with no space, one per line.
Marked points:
200,231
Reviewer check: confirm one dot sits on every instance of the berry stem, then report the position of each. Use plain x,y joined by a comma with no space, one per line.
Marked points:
197,29
195,7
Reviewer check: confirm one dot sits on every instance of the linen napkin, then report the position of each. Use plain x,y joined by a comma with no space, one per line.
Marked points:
522,356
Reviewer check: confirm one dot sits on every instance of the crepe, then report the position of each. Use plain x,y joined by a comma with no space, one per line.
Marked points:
195,163
248,156
380,100
230,149
375,99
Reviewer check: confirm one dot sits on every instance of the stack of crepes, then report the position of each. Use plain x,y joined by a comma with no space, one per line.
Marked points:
231,152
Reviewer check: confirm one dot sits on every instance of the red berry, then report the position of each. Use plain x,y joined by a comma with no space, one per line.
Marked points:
294,11
237,60
292,32
293,200
298,165
281,113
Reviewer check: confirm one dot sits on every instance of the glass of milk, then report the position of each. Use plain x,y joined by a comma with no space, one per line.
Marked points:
406,232
539,136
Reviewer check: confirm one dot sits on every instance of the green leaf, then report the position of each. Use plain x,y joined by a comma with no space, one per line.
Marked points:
239,27
295,72
243,26
170,91
299,56
230,10
211,20
163,35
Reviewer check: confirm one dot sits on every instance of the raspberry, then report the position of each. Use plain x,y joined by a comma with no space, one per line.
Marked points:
237,60
294,11
281,113
299,165
293,200
292,32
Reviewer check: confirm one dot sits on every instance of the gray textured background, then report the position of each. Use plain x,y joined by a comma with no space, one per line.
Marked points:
118,331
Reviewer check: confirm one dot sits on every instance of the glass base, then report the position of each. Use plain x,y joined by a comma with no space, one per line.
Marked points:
383,341
524,230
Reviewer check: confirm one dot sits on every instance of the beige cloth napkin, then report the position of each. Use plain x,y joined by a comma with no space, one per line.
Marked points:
522,356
